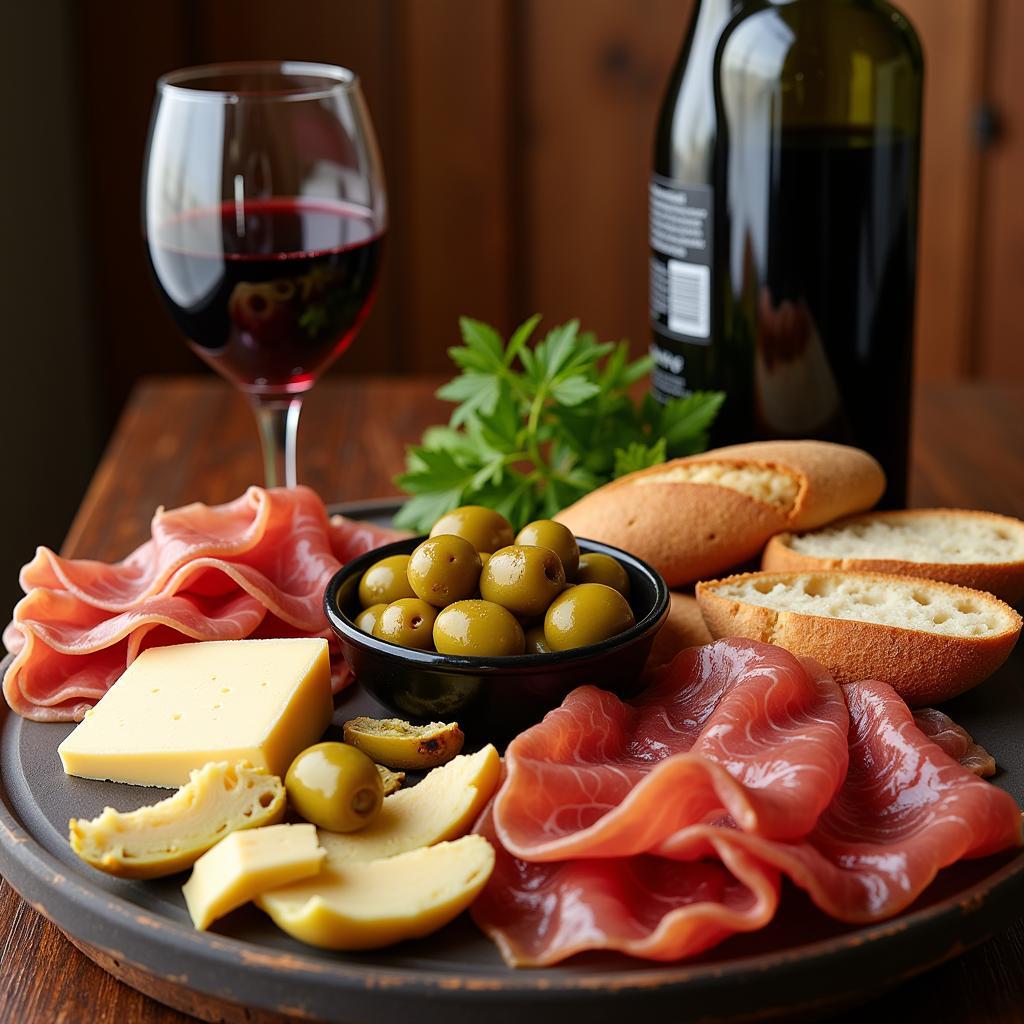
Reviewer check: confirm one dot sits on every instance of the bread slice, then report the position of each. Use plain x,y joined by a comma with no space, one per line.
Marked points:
975,549
699,516
930,640
835,480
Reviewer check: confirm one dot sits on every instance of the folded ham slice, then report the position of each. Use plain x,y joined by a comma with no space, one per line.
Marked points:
864,839
256,566
955,740
732,728
540,913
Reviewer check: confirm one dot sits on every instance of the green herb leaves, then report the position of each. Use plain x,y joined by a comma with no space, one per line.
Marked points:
537,426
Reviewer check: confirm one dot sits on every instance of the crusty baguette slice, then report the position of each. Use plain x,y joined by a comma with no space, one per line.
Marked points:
929,640
975,549
699,516
835,479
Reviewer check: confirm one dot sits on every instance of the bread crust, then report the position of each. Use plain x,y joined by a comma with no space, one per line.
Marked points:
690,531
1004,579
835,479
685,530
924,668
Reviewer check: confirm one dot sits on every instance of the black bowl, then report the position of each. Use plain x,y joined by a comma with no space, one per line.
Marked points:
493,697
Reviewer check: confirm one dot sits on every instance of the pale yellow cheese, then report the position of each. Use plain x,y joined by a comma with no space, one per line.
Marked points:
177,708
170,836
246,864
366,905
443,806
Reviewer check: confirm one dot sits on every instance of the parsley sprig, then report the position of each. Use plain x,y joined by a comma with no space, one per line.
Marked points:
537,425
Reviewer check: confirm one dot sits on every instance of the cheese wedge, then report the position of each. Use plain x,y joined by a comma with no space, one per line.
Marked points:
443,806
369,905
246,864
170,836
177,708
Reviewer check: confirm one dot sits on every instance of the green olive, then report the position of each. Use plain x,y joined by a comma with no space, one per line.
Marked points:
546,533
444,569
385,581
586,614
366,620
595,568
484,528
523,578
335,786
479,628
535,642
408,622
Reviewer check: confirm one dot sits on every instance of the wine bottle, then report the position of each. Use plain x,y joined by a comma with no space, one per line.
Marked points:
683,312
817,108
820,107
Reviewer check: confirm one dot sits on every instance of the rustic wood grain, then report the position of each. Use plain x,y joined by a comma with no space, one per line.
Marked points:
951,161
1000,354
191,439
594,82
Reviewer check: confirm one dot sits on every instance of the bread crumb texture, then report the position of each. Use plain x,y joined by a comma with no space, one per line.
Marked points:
954,538
764,483
910,604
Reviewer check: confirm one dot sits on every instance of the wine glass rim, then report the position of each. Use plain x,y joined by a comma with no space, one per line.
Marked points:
184,83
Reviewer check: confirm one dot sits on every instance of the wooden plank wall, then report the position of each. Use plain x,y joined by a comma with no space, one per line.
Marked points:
516,135
1000,269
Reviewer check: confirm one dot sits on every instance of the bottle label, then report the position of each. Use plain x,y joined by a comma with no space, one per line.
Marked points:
680,239
680,282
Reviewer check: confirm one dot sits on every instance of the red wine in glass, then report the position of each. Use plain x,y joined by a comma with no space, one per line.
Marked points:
269,291
264,209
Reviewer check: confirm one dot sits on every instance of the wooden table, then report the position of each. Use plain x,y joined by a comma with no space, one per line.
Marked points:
192,439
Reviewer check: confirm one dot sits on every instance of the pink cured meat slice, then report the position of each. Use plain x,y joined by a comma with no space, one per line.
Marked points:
256,566
955,740
280,553
350,539
734,728
62,670
177,537
644,906
906,810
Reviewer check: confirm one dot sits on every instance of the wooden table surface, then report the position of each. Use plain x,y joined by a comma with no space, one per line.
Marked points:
192,439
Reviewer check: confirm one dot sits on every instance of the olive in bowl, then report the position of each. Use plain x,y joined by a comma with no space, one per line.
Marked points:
494,696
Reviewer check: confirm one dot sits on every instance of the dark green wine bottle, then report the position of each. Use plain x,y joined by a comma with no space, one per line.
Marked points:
684,313
820,107
815,177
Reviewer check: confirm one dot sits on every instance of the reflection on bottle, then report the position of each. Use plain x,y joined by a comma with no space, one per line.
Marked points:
795,389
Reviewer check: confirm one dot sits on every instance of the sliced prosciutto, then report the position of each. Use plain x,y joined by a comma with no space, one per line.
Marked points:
955,740
255,567
864,841
906,810
733,728
540,913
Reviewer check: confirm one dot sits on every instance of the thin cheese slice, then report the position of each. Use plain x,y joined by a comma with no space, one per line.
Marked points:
246,864
178,708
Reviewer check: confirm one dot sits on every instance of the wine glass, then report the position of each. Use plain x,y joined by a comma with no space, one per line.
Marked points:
264,214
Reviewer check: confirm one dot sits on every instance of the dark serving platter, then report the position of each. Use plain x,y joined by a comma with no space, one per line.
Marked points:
247,970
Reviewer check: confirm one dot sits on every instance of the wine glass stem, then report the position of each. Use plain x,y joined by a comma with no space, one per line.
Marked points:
278,420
